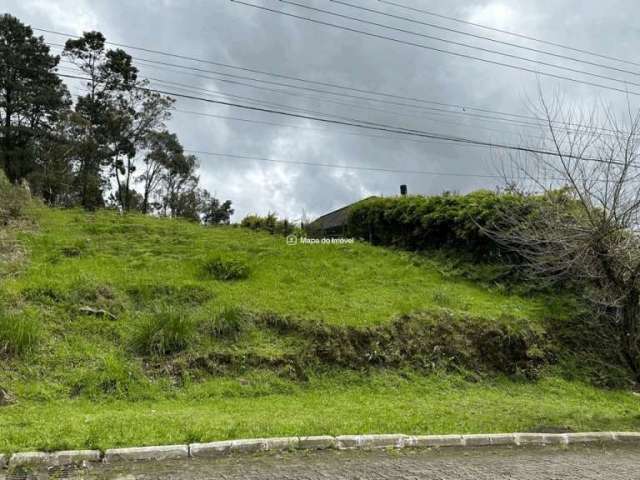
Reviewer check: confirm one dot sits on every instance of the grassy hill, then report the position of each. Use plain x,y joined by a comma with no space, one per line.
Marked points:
139,258
139,330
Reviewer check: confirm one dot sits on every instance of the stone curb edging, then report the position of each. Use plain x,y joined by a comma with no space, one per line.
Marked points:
341,442
164,452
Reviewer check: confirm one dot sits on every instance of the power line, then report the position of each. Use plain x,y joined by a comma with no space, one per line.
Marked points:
255,101
356,97
513,34
342,166
462,44
373,169
461,107
404,130
355,167
363,107
440,50
298,127
488,39
336,165
326,165
429,115
369,108
182,86
431,110
359,134
378,126
262,102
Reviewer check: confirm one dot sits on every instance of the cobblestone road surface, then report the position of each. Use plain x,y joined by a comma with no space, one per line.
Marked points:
542,463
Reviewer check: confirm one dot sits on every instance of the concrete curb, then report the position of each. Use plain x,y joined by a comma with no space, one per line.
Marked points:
68,457
164,452
341,442
30,458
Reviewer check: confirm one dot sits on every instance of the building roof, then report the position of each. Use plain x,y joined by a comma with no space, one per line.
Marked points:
336,218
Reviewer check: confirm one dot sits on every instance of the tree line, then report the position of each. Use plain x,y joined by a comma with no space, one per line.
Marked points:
109,148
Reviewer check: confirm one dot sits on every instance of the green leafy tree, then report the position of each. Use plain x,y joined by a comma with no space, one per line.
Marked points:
31,95
187,204
179,184
215,212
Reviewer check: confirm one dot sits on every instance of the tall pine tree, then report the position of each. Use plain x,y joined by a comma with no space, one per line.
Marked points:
111,75
31,96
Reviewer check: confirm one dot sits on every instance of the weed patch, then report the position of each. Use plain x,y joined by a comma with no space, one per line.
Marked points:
190,294
75,249
92,292
430,341
113,377
19,333
13,201
228,322
44,294
426,341
165,331
226,268
591,352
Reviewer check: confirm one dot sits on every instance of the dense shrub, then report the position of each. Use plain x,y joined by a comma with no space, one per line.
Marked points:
270,224
590,350
421,340
428,340
226,268
166,331
19,333
448,220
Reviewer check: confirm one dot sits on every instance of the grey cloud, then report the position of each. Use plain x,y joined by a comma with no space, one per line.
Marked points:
227,32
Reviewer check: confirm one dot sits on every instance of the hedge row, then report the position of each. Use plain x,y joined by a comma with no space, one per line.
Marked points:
448,220
271,223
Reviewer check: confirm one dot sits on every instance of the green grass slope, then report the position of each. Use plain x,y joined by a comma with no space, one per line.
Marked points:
344,284
137,330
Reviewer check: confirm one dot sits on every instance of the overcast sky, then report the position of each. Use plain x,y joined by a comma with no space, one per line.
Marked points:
226,32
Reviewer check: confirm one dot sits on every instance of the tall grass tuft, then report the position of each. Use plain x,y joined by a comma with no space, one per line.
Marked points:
226,268
13,200
113,376
165,331
229,322
19,333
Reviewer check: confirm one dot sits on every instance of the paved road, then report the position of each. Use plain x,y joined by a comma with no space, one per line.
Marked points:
546,463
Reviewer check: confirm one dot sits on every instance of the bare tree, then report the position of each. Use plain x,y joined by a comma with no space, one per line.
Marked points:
584,225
